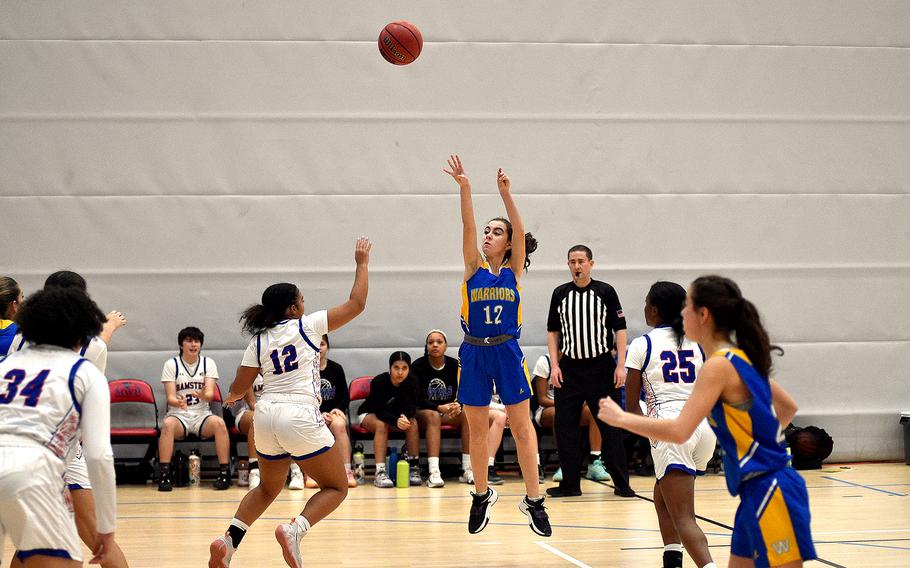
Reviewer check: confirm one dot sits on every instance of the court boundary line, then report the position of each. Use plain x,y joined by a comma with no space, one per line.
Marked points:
561,554
872,487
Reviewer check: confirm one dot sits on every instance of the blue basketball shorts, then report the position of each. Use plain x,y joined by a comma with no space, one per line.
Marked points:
772,521
480,366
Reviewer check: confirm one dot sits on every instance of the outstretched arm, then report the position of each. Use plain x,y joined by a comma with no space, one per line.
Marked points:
519,254
708,388
357,301
468,225
115,320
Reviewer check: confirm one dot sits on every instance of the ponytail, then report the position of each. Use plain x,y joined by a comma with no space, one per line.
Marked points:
736,316
276,299
530,246
752,338
530,242
669,299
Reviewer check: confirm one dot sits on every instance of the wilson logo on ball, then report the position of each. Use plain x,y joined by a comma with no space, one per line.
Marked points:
400,42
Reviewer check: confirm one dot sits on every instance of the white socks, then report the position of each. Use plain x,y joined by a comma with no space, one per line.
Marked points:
302,525
674,548
347,467
295,467
465,462
434,464
492,461
710,565
380,467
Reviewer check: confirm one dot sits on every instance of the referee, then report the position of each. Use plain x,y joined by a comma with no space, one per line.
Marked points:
584,316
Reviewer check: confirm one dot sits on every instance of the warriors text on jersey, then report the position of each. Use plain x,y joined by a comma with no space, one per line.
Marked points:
287,355
490,303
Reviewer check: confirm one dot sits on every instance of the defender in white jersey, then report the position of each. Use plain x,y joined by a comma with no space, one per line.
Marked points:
189,383
94,349
289,425
51,397
664,364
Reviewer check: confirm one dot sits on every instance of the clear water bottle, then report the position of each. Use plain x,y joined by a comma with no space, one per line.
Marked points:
243,474
195,467
358,465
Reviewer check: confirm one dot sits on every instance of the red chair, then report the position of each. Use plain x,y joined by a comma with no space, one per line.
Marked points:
134,414
360,389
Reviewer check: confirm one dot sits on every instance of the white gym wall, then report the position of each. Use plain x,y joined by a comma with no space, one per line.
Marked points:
184,155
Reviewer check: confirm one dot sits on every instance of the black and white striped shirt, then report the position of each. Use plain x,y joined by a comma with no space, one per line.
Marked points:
586,318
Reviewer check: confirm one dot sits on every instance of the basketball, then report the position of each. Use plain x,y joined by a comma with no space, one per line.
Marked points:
400,42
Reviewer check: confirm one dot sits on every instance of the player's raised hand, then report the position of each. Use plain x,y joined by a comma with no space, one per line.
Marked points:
456,170
503,181
116,320
362,250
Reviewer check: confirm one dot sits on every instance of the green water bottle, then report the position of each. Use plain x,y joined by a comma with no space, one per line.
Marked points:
402,473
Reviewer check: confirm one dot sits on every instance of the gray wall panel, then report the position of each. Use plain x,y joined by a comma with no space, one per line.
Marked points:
183,158
778,22
342,154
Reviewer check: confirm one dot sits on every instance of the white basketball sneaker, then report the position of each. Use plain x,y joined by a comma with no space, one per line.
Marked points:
296,479
435,479
254,478
288,536
220,552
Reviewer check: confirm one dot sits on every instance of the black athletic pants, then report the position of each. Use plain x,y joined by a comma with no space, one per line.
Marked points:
587,380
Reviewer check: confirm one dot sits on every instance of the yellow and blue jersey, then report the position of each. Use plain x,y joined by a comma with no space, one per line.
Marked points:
8,330
772,525
749,433
491,303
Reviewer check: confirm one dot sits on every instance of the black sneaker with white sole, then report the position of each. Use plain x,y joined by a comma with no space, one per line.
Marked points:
538,519
480,510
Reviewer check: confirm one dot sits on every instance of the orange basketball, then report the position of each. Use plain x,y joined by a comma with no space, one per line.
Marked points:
400,42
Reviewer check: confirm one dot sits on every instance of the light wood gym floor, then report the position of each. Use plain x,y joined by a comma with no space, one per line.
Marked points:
860,518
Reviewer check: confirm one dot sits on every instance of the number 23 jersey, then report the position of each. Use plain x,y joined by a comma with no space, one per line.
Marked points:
287,355
668,370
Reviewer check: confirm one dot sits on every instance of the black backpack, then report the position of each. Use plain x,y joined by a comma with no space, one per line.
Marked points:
180,469
809,446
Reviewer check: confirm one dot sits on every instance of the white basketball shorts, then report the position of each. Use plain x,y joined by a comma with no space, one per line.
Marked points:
33,509
691,456
287,428
192,421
